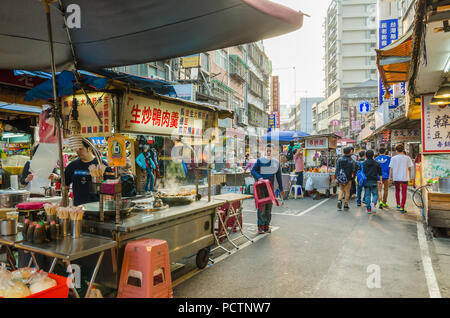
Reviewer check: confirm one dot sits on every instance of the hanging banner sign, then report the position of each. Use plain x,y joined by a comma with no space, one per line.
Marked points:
117,152
90,125
154,116
435,127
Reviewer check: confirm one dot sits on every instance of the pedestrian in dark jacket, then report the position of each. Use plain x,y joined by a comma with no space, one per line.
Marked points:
347,164
267,168
359,188
373,172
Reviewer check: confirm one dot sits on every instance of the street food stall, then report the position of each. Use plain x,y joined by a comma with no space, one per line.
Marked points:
112,221
320,162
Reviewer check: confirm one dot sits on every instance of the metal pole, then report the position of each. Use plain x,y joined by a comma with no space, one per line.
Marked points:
58,113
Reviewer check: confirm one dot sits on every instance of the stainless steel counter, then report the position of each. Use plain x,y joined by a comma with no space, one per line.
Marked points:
140,220
68,248
10,240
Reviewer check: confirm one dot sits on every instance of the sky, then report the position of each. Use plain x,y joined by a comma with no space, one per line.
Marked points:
302,49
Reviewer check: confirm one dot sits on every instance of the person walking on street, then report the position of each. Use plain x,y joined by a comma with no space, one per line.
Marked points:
267,168
299,165
347,165
383,190
353,187
359,188
373,172
400,171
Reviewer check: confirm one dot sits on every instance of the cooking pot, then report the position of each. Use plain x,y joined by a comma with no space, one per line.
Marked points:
8,226
10,198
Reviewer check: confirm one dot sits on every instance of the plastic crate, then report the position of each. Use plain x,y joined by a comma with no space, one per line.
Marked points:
61,290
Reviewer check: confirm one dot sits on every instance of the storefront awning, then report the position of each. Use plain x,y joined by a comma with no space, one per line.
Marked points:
20,109
393,61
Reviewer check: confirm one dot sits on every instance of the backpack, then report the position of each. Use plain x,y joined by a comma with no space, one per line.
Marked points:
128,186
361,177
341,178
290,154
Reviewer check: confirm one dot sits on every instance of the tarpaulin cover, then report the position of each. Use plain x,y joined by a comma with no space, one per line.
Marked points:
284,135
116,33
66,85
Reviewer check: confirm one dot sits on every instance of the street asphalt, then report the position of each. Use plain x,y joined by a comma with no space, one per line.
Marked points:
320,252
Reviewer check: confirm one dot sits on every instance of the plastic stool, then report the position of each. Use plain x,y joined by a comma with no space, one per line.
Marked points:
260,199
146,270
295,189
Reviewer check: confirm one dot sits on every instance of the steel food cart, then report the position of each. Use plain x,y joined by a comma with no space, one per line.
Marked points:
320,162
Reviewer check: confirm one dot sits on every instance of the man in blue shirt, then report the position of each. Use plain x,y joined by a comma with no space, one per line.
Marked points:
267,168
384,160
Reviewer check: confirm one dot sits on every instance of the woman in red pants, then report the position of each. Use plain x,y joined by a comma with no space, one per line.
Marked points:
400,171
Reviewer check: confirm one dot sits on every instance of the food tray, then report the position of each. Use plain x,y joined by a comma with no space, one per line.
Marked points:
149,208
177,200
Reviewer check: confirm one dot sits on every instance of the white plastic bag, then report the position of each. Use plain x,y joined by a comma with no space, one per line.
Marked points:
309,184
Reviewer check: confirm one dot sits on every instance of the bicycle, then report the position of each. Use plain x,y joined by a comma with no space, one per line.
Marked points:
417,196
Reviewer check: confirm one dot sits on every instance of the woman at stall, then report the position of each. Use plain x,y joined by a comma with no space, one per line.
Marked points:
27,176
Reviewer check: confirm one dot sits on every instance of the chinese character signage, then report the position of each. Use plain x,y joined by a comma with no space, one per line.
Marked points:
272,122
356,125
388,33
90,125
154,116
190,61
435,127
316,143
385,137
405,135
275,93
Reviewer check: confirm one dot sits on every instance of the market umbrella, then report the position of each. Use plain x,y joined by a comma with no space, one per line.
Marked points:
109,33
284,135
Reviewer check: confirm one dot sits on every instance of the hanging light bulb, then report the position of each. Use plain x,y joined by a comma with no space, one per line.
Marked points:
443,91
75,140
440,101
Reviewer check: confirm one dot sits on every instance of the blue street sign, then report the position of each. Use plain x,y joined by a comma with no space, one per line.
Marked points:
364,107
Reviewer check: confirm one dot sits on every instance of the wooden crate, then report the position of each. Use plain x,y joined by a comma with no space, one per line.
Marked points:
438,206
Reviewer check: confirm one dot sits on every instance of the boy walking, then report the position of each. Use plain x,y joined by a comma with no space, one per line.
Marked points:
372,170
359,188
267,168
400,171
384,160
347,165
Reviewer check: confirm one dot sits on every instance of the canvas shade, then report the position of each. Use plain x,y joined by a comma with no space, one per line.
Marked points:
116,32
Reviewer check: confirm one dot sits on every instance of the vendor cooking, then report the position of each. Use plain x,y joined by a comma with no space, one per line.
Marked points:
77,173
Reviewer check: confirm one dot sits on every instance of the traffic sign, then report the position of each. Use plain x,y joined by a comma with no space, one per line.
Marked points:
364,107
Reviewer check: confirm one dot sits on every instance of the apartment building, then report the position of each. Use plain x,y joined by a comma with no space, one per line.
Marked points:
350,69
305,114
236,78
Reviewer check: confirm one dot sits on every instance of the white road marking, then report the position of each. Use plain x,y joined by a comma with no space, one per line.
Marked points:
433,287
313,207
295,214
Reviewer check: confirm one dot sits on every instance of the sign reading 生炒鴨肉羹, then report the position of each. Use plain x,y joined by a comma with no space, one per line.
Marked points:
154,116
435,127
90,125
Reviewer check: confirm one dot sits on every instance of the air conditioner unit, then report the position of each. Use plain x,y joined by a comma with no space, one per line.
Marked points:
242,118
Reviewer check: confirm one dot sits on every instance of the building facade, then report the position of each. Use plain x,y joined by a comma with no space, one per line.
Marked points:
350,68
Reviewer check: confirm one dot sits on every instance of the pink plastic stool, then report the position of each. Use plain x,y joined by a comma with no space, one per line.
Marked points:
260,198
146,270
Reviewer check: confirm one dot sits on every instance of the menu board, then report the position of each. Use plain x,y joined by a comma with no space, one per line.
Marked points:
90,125
435,127
153,116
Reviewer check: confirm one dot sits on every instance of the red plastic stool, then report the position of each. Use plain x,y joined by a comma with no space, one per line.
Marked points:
260,197
146,270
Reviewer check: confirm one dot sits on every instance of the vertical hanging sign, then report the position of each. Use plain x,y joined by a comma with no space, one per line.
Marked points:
388,33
